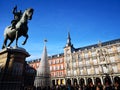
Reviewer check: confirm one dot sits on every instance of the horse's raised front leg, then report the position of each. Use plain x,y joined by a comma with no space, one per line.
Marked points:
16,38
5,42
25,39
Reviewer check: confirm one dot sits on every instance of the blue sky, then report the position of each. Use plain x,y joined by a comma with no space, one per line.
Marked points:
88,21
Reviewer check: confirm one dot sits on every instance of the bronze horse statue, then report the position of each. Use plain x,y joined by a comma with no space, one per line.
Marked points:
20,30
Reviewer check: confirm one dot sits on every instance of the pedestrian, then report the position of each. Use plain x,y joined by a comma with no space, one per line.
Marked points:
98,84
90,85
116,85
107,83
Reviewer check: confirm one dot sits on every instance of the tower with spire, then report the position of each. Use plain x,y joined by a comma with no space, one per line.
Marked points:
42,79
68,40
68,50
69,46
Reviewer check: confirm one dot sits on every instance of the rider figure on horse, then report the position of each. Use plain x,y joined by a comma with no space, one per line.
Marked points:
17,17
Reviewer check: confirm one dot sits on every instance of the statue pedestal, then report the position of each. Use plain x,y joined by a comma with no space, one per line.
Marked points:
12,66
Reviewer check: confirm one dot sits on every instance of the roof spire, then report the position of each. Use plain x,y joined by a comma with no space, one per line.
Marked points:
68,40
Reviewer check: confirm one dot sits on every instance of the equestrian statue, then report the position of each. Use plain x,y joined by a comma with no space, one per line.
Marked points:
18,27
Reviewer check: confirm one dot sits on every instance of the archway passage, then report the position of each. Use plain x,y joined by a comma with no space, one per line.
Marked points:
81,82
53,82
75,81
97,81
117,80
107,80
62,81
89,80
68,81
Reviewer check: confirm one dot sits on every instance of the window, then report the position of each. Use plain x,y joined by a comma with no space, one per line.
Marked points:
53,61
92,70
118,49
86,55
50,68
115,69
58,67
79,58
94,53
61,66
54,68
60,73
74,64
110,50
67,58
88,70
68,73
105,69
96,70
57,60
57,73
68,65
73,58
87,62
80,64
95,61
61,60
81,71
112,59
75,72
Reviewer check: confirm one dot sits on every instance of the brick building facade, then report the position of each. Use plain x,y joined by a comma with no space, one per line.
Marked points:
76,64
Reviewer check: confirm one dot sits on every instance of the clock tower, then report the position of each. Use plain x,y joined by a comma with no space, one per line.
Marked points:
68,50
68,47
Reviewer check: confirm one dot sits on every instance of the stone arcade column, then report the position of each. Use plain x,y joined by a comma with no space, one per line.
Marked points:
12,63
